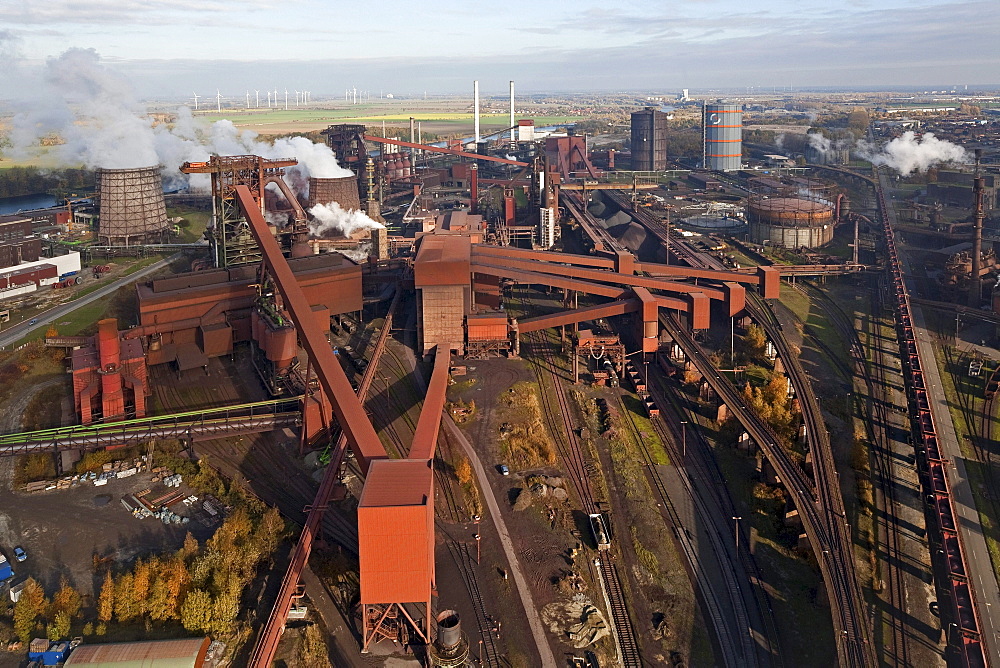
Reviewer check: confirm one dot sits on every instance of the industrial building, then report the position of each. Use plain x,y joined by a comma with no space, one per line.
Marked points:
723,129
17,241
30,276
132,209
649,140
185,653
109,376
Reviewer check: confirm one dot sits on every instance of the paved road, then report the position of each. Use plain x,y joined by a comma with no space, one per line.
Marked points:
44,319
977,556
534,621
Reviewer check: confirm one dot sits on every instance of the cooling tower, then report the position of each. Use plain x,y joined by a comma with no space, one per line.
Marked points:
342,190
132,210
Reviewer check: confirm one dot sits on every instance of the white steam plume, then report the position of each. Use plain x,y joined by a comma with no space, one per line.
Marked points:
819,143
94,110
332,216
909,153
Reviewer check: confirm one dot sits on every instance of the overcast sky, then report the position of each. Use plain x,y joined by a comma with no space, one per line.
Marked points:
404,47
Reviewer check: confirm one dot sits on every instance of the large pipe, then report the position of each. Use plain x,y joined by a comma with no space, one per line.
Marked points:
511,112
475,107
474,188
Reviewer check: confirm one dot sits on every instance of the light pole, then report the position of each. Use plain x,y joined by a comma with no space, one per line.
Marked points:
684,440
737,532
478,538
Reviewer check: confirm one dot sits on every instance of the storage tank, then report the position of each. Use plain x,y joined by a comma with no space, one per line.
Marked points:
649,140
131,206
723,127
342,190
790,222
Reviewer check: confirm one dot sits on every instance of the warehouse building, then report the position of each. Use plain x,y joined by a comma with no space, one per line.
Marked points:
185,653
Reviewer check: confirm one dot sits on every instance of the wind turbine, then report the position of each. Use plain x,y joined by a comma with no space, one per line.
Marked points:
248,99
286,99
268,99
275,98
196,96
257,92
296,98
218,100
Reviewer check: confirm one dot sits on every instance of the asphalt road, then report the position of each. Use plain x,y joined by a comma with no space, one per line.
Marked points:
44,319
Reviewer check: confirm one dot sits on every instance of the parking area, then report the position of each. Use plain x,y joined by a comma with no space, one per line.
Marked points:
70,531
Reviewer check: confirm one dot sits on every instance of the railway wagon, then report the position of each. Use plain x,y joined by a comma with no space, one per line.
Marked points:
601,535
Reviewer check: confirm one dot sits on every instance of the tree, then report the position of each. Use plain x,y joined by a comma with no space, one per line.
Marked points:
756,341
312,650
126,602
196,613
141,581
29,607
190,548
106,599
59,627
67,600
463,471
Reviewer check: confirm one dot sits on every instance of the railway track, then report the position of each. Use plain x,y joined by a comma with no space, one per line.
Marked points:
628,649
895,652
558,417
735,646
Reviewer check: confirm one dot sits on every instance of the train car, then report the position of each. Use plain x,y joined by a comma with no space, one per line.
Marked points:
601,535
651,408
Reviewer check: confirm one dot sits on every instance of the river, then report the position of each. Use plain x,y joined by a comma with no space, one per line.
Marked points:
25,203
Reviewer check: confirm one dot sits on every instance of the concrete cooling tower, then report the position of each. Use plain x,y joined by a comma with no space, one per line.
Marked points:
342,190
132,210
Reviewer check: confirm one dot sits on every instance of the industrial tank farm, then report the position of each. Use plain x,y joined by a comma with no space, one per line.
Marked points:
790,222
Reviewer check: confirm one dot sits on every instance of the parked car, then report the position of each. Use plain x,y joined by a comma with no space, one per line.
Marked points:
20,554
503,469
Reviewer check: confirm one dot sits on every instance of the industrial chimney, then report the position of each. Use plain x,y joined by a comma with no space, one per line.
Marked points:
976,282
475,108
451,647
132,210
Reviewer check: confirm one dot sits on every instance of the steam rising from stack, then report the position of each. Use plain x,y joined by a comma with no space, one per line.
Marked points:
909,153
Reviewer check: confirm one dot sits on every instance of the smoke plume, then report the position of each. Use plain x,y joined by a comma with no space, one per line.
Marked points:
909,153
330,217
819,143
103,125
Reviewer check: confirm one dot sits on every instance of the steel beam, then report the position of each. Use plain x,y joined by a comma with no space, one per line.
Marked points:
450,151
346,406
578,315
425,436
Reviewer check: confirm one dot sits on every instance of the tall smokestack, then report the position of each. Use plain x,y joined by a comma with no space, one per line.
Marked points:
511,112
976,284
475,107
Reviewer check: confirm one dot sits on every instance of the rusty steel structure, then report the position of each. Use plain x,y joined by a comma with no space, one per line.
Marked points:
232,242
131,206
343,190
396,509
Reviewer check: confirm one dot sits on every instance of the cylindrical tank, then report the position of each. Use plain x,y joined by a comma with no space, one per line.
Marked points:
342,190
790,222
449,629
649,140
407,165
451,648
132,210
723,136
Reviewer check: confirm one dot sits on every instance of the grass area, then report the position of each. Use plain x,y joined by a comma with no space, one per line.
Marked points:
654,446
195,226
525,439
796,302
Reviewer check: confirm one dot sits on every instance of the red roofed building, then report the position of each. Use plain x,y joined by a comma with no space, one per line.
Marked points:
396,545
109,377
